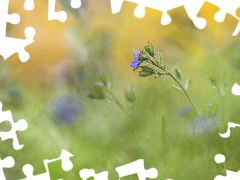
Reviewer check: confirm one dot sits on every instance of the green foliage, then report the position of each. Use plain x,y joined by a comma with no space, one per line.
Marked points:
104,80
159,59
187,83
101,90
212,79
144,56
149,49
146,71
211,109
177,72
97,91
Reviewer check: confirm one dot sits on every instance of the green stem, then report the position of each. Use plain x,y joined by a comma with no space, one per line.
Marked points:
185,92
118,103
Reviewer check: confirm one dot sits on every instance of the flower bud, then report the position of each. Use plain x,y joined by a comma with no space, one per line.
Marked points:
129,95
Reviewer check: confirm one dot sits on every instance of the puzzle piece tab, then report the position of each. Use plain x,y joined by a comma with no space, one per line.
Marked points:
236,89
230,125
228,22
230,175
20,125
29,5
8,45
192,8
87,173
137,167
67,165
226,7
7,162
52,14
75,4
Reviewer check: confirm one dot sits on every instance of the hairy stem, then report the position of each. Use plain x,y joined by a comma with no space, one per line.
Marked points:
176,80
184,90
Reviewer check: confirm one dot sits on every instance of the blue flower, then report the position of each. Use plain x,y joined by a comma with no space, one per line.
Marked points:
136,54
135,62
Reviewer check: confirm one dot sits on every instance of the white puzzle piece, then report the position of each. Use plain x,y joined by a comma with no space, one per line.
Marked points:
67,165
192,9
8,45
7,162
137,167
20,125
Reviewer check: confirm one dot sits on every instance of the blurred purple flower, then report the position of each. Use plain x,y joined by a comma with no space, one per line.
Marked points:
203,124
186,109
66,109
135,62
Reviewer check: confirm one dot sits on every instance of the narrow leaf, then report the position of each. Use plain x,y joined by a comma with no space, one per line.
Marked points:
150,46
212,79
178,73
187,83
159,59
178,88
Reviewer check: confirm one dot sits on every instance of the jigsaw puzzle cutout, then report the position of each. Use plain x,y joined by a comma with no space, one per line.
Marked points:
137,167
230,175
236,89
192,8
52,14
66,164
6,50
20,125
230,125
87,173
229,24
220,158
7,162
8,45
29,5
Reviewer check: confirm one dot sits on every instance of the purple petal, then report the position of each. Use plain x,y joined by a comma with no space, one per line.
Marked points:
135,63
136,54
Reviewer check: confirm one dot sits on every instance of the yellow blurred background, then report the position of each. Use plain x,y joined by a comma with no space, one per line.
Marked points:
128,32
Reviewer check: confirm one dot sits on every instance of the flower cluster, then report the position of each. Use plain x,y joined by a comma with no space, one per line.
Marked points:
152,66
136,62
145,59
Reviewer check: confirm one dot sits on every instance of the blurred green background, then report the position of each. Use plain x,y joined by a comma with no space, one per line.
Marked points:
50,92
